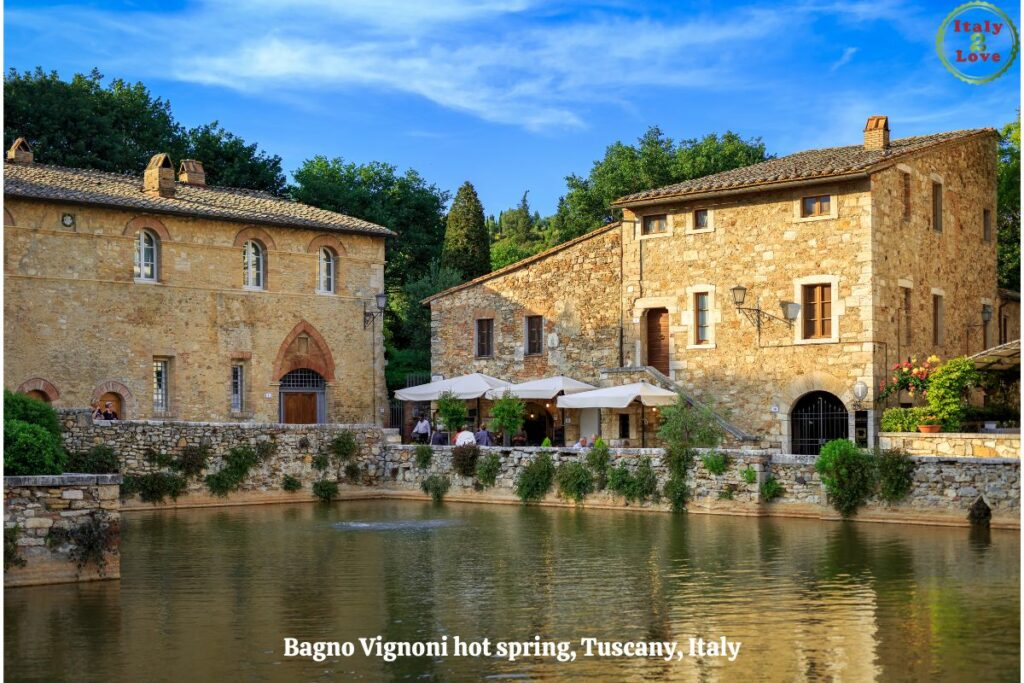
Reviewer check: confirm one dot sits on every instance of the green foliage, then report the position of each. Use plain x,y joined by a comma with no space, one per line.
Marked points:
466,246
325,489
487,469
192,460
507,414
437,486
100,459
1008,244
895,474
676,492
598,458
89,542
423,456
948,390
290,483
153,487
749,474
30,410
506,252
902,419
352,472
771,489
31,449
265,450
12,553
634,486
117,127
158,459
575,480
344,446
685,428
451,411
321,461
464,459
237,464
716,463
546,443
727,493
848,474
535,479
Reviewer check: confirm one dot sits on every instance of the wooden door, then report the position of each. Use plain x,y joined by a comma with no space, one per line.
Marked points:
657,339
300,408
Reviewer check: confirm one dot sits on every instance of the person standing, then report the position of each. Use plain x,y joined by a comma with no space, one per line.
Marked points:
421,432
483,437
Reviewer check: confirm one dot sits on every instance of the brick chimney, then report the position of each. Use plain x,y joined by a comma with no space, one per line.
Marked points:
158,179
20,152
876,133
192,172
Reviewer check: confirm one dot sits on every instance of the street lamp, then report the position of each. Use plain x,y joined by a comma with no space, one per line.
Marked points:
368,315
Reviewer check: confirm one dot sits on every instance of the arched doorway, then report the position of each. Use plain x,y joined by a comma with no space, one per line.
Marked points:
38,395
302,394
816,419
117,403
657,339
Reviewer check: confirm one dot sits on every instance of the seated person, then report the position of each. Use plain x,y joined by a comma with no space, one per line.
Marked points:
582,443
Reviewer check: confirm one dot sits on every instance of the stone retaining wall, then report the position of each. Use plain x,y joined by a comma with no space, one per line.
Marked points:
41,515
964,445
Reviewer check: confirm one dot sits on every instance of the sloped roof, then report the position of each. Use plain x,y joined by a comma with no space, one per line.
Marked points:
85,186
808,165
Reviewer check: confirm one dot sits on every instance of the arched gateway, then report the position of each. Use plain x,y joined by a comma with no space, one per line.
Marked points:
816,419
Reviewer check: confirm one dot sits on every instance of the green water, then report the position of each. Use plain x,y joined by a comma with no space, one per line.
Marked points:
209,595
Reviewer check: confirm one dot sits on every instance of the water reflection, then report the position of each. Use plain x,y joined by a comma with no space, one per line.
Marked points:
209,595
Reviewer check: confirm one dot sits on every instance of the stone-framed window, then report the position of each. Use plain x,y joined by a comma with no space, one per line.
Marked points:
254,265
237,387
815,206
484,338
327,267
147,256
936,205
907,307
161,385
534,335
907,179
701,317
986,225
938,317
656,224
820,309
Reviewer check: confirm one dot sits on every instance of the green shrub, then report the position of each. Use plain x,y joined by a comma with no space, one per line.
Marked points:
546,443
321,461
31,449
27,409
895,474
634,486
749,474
90,541
848,474
620,480
12,552
771,489
948,389
237,463
352,472
507,414
575,480
535,479
424,455
451,411
902,419
727,493
676,492
325,489
716,463
685,428
99,459
436,485
464,459
597,460
487,469
158,459
344,446
192,460
265,450
290,483
153,487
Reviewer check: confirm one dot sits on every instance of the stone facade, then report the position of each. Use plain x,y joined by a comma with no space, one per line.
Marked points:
39,513
993,445
78,321
753,367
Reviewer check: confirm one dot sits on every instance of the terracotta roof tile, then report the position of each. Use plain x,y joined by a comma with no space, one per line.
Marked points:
84,186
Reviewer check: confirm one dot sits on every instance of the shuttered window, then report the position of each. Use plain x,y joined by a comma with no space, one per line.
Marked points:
534,335
485,337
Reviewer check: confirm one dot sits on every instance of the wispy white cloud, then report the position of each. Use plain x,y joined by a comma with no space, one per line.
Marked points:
848,54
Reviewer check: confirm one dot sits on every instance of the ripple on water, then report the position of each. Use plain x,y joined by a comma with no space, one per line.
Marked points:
400,525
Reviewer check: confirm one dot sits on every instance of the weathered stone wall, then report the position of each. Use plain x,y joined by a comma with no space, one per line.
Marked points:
75,317
40,512
956,444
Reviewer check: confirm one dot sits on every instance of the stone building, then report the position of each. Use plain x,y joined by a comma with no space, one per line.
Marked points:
781,291
178,300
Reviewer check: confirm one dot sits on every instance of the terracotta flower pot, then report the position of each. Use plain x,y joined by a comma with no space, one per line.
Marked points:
929,429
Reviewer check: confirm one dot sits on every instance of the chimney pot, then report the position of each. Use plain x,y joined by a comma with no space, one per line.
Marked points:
876,133
20,152
192,172
158,180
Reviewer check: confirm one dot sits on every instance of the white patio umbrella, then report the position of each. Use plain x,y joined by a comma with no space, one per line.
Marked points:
542,389
620,397
464,387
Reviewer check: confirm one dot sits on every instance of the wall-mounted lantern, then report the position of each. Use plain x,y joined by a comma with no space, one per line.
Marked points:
382,303
757,316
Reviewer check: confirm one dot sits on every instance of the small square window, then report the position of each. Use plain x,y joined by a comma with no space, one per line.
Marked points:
812,207
700,219
655,225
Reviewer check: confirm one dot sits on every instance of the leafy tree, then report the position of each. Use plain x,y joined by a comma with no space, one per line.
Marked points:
229,162
507,415
506,252
1008,246
685,428
452,411
466,240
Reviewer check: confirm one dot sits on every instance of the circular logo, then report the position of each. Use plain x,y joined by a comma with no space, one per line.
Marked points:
977,42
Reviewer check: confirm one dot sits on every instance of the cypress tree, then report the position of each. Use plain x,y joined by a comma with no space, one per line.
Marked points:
467,247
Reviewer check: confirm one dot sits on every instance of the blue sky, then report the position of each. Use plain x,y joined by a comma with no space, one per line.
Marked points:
514,95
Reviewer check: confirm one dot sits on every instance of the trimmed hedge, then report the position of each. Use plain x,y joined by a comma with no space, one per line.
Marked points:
26,409
902,419
97,460
30,449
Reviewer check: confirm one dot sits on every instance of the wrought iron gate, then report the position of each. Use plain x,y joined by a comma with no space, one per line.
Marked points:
817,418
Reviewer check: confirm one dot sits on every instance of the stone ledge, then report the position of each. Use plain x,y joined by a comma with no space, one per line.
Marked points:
987,436
236,425
68,479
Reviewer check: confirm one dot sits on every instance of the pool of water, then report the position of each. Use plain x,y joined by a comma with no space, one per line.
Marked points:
210,595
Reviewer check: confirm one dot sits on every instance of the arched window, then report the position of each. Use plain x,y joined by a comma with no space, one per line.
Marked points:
326,272
254,262
147,250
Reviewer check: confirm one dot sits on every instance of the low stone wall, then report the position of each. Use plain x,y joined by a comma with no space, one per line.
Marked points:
42,516
958,444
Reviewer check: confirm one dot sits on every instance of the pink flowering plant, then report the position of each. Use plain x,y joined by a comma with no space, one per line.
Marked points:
909,376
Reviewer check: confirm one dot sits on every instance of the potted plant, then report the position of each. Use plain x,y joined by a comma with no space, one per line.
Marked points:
929,424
